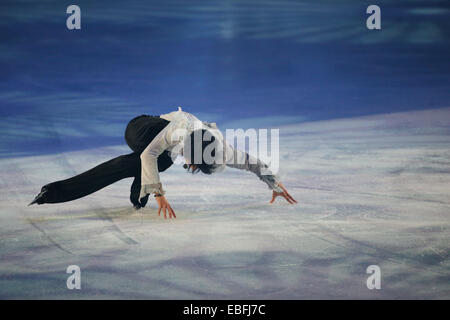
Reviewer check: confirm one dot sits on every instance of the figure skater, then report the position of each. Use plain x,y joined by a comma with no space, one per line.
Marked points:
156,141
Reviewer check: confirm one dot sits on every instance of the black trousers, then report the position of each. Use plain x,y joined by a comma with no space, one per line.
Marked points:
139,133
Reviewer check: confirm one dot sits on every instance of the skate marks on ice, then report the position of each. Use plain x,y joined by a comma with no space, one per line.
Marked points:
364,198
21,180
373,222
69,170
44,218
17,196
99,210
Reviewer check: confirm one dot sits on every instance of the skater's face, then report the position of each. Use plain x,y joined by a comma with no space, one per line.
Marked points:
193,145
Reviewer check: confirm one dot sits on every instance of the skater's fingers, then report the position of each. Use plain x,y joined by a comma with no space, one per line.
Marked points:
159,211
290,197
165,212
286,192
172,213
288,200
282,187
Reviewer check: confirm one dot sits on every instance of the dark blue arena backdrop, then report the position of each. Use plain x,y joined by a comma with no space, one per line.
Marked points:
242,63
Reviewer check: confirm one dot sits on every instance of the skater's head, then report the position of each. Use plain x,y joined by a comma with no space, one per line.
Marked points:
200,151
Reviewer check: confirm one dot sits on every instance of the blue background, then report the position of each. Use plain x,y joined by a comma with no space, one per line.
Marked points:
239,63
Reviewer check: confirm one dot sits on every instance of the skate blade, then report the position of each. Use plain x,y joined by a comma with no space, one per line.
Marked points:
37,198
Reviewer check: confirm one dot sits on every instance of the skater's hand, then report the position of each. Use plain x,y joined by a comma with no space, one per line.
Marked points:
164,205
284,194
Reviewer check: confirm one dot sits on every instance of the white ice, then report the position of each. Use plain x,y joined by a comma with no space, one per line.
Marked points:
372,191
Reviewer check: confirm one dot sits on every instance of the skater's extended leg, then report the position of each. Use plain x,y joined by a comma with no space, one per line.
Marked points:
99,177
90,181
139,132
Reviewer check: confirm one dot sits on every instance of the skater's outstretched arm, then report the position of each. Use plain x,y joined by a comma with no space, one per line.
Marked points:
242,160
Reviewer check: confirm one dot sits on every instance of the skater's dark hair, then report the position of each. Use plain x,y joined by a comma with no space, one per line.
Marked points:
197,136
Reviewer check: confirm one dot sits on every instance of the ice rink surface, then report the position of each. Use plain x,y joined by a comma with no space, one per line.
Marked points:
371,190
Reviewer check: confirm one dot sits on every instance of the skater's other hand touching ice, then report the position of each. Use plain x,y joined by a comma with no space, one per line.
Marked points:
285,194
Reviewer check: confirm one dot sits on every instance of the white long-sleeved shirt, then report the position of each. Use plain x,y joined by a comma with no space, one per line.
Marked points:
171,138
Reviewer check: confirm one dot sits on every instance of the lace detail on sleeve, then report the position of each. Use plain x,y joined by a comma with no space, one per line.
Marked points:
155,188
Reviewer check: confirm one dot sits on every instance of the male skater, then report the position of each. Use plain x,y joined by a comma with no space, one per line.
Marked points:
156,141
